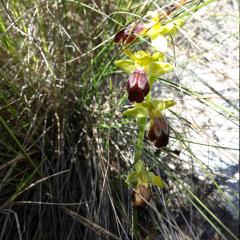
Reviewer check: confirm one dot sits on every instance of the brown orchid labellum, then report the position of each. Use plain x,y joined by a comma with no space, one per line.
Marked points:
159,131
138,86
129,34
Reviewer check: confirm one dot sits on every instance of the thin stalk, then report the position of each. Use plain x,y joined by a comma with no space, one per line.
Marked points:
139,145
142,122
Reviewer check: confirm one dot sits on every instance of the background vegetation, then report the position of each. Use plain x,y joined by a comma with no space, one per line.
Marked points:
65,149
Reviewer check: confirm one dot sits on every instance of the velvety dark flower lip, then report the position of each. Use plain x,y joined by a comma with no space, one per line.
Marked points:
128,35
159,131
123,37
138,86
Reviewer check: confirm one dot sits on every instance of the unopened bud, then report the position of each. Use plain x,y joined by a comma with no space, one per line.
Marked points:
141,196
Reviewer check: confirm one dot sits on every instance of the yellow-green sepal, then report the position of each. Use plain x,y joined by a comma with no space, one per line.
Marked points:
137,112
127,65
159,68
172,27
160,105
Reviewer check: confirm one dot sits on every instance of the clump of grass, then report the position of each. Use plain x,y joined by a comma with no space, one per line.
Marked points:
64,147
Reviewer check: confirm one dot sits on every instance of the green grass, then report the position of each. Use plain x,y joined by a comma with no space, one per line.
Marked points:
65,148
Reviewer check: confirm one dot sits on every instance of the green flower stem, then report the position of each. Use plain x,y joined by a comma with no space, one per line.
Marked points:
142,122
139,145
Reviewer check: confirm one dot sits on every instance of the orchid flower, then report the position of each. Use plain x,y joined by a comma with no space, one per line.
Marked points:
153,29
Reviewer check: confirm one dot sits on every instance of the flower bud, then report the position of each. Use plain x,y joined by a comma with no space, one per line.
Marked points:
141,196
137,86
128,35
159,131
